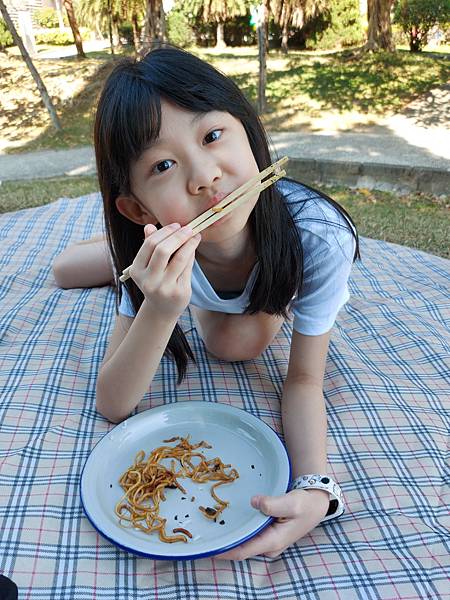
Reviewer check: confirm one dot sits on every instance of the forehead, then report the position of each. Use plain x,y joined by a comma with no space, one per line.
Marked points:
177,122
173,117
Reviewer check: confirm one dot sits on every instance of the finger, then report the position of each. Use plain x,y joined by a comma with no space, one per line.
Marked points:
181,263
151,241
165,249
265,542
286,506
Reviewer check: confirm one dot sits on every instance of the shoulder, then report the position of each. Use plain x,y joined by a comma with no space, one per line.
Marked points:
321,225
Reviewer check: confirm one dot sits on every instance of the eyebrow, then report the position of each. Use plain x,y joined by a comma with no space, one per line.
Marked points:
198,116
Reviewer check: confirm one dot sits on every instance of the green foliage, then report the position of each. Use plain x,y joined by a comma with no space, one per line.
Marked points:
239,32
61,38
179,30
126,32
48,17
6,38
418,17
217,11
344,26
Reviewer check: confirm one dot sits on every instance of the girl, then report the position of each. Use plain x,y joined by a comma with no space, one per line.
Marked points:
173,136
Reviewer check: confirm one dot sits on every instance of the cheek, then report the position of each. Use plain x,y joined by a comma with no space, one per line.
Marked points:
174,214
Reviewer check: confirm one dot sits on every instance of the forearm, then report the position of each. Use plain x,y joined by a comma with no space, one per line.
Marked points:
305,427
127,374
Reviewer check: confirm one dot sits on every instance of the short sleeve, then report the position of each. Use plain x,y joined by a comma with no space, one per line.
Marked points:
126,306
325,284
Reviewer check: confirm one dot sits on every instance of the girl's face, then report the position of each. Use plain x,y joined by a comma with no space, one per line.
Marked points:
198,159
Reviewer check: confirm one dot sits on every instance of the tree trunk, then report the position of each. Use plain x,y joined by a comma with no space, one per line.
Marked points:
115,31
379,33
284,38
220,38
60,15
262,68
136,33
74,27
37,78
266,25
154,28
285,21
110,28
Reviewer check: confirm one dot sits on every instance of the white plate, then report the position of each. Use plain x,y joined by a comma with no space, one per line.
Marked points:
237,437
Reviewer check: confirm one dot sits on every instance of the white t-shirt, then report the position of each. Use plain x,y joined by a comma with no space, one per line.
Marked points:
328,249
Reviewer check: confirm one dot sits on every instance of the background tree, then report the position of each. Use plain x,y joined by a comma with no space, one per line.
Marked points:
154,25
290,14
68,4
218,12
379,32
34,73
113,17
340,26
418,17
134,12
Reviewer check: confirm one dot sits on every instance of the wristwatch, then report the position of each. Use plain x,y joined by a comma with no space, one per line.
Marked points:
322,482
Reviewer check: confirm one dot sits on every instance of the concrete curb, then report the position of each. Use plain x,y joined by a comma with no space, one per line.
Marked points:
376,176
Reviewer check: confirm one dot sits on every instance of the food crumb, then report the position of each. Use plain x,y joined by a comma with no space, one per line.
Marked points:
176,517
253,466
193,498
186,516
183,497
110,485
222,522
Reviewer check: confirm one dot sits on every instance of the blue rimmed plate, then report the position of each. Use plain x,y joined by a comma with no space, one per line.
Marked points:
237,437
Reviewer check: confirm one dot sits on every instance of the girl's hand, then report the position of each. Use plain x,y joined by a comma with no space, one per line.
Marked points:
163,266
298,512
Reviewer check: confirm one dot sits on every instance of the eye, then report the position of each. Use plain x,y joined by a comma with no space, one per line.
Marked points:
162,166
213,136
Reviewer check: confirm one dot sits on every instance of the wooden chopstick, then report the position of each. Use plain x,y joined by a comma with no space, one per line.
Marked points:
238,192
230,202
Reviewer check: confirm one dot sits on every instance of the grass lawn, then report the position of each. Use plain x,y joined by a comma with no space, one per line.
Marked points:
416,220
303,88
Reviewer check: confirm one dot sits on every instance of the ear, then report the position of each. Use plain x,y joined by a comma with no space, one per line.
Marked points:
130,208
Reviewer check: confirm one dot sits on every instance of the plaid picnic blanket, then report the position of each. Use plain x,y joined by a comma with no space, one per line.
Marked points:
387,388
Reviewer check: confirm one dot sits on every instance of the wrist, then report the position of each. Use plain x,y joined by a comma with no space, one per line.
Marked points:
155,315
322,483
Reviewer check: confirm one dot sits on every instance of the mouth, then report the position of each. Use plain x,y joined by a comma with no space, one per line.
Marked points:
216,199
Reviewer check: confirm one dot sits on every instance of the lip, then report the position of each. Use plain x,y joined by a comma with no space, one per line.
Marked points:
215,199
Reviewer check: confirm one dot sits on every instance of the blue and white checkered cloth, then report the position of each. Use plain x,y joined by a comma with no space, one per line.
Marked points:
387,390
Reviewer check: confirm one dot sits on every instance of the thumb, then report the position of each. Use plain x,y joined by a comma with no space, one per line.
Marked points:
277,506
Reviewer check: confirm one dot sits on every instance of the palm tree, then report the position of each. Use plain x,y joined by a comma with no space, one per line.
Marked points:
295,13
218,11
26,57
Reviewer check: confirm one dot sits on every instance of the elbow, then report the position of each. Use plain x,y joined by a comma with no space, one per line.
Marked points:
60,272
67,272
104,405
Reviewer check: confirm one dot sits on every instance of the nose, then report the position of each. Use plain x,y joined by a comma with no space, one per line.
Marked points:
204,172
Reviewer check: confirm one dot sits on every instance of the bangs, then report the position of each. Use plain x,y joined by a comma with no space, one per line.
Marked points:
128,121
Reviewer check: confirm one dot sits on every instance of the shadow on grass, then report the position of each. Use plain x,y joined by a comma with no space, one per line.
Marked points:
376,83
76,114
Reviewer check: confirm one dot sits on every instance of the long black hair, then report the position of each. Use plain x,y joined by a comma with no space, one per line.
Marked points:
128,119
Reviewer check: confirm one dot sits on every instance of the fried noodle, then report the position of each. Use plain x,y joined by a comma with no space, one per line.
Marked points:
145,482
